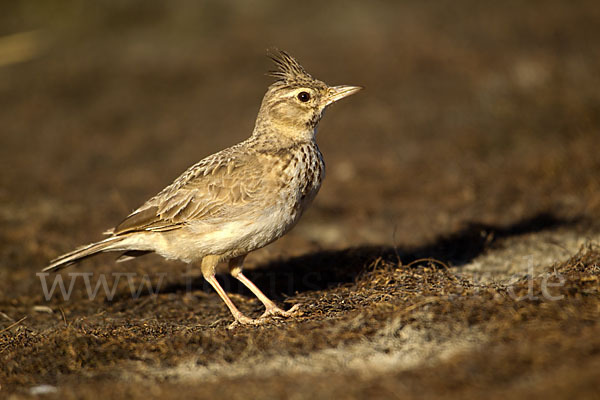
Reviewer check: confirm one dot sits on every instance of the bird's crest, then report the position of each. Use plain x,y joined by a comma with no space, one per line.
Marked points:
288,71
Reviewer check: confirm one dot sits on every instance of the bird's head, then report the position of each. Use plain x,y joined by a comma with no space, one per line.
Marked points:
294,103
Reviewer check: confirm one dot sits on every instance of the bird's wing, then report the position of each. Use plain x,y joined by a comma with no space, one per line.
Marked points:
218,188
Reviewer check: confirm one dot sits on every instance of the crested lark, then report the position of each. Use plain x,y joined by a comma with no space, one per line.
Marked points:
241,198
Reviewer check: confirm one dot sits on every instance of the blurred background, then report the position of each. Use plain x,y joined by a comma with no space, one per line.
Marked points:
475,114
475,111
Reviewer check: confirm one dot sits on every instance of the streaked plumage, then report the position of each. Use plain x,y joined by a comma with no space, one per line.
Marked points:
241,198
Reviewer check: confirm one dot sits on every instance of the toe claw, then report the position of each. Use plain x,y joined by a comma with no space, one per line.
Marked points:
243,320
276,311
295,310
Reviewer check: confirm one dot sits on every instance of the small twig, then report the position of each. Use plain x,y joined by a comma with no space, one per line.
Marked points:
13,324
63,315
143,303
409,309
439,262
6,316
395,245
432,260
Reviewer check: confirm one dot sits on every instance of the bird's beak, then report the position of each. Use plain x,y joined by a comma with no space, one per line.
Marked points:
336,93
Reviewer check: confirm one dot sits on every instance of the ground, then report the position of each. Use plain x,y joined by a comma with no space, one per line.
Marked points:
454,248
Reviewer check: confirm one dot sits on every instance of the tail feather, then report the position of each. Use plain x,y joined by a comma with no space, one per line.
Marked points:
109,244
131,254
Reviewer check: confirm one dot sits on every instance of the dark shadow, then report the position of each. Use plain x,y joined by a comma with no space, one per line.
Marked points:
324,269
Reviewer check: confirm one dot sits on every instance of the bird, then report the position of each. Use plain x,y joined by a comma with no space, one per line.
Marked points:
239,199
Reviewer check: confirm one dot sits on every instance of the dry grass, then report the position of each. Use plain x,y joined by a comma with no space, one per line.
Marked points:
471,340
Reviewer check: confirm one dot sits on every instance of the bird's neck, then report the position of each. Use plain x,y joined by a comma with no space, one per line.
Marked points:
282,134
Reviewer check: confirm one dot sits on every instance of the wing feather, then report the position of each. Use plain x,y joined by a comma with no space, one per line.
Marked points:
212,190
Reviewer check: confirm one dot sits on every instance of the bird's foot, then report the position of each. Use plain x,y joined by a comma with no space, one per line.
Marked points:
243,320
276,311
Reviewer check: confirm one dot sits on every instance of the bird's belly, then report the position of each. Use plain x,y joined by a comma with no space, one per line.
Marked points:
229,239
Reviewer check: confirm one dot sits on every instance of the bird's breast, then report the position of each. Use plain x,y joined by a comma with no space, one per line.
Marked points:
301,178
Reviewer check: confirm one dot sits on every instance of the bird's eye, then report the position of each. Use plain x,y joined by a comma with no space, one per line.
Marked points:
303,97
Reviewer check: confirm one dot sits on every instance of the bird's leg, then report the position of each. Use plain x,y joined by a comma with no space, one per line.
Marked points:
209,264
235,268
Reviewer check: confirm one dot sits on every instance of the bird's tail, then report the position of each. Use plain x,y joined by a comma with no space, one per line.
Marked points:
113,243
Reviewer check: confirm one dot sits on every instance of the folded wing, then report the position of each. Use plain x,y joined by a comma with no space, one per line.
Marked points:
214,190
